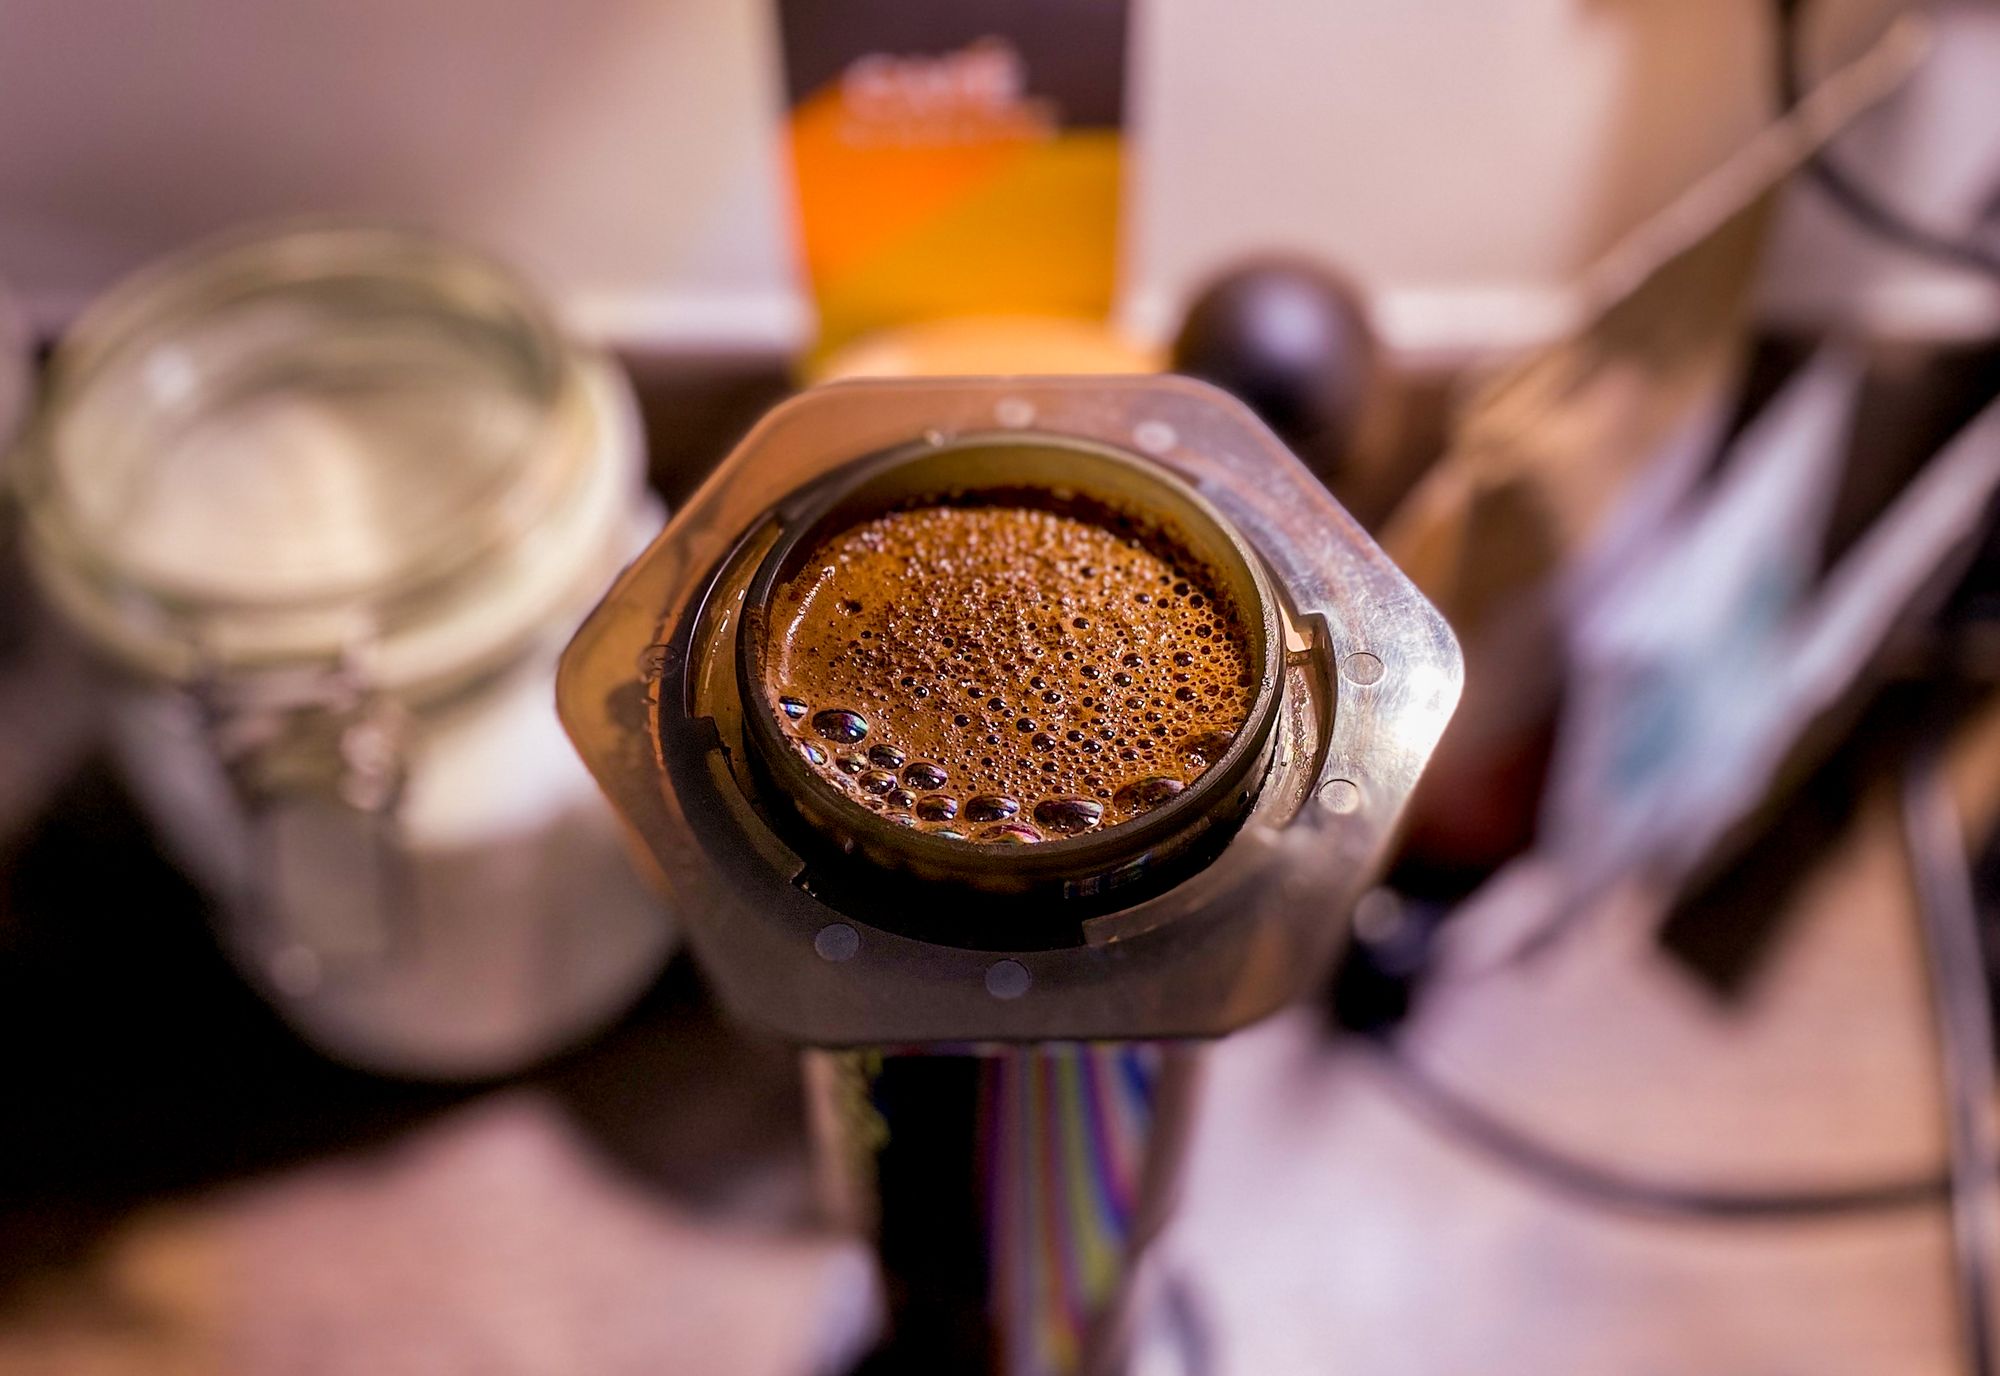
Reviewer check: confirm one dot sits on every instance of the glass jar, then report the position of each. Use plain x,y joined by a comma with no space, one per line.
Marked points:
328,501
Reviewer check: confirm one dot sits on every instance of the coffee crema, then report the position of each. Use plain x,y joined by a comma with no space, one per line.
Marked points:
1007,673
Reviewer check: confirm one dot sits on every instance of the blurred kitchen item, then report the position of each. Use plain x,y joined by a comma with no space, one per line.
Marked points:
327,500
1663,765
1653,714
1889,235
955,159
1465,171
15,369
1291,341
1565,435
1555,460
15,382
1561,459
990,346
45,723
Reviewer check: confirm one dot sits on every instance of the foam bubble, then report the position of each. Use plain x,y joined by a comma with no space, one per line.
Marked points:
840,725
990,807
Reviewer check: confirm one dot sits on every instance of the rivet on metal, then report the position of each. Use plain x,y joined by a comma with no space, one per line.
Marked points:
1016,413
1340,795
837,942
1007,979
1154,436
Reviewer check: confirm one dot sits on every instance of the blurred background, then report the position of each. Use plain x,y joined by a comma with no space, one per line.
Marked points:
1658,343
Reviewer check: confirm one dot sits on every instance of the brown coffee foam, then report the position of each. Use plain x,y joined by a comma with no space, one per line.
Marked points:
1057,660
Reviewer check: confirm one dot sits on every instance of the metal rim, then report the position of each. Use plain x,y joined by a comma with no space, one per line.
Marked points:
1059,468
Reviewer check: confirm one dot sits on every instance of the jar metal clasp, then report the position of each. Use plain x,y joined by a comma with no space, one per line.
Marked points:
316,760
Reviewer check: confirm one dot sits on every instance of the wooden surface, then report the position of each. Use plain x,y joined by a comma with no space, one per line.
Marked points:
641,1207
1330,1228
185,1189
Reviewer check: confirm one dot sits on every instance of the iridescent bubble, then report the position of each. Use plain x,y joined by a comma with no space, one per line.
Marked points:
1208,747
938,807
840,725
1008,834
886,756
809,752
900,797
851,763
923,774
1068,816
991,807
1147,793
877,781
793,708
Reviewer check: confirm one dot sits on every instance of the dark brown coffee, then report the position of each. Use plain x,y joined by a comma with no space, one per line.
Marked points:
1005,673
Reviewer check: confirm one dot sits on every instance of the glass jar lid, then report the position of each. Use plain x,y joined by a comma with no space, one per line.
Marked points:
294,443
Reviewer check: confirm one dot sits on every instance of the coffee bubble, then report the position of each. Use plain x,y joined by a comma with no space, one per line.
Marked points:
1068,816
1008,834
1146,794
924,775
840,725
990,807
938,807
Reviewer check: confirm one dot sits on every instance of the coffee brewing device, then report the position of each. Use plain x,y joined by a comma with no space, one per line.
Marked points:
1079,969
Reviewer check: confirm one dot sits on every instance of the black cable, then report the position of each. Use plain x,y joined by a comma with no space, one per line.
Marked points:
1860,204
1610,1187
1951,934
1948,914
1960,1000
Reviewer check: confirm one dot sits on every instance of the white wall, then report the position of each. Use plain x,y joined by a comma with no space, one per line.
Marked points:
624,152
1461,158
1932,152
